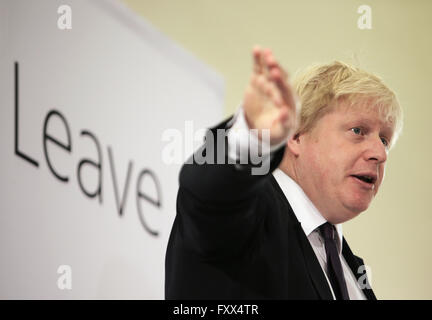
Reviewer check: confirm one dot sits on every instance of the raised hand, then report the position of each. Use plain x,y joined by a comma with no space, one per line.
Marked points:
270,101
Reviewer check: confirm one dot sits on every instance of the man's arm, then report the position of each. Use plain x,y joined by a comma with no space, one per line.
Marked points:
269,105
217,202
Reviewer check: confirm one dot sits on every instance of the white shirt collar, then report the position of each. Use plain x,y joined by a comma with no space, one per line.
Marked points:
305,211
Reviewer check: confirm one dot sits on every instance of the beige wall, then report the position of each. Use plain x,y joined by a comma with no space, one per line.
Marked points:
393,236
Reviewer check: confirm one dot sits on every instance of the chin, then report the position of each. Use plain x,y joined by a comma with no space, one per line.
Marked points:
357,207
358,202
353,207
347,215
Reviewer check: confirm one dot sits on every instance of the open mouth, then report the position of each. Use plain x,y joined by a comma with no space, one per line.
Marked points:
365,178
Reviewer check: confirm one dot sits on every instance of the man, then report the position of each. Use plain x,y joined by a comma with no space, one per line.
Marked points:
239,235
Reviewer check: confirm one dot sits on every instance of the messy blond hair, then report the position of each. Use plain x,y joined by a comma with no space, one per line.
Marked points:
320,87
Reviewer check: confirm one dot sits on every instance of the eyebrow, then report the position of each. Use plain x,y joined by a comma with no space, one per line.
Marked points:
385,128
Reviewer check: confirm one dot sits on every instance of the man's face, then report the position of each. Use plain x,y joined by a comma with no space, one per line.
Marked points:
340,164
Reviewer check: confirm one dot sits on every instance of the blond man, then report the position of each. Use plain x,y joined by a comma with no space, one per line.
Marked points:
278,235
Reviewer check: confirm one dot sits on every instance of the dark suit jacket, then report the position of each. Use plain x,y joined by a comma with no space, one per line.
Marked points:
235,236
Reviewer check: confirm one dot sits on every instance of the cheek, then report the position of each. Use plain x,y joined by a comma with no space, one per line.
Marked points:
331,165
322,166
325,161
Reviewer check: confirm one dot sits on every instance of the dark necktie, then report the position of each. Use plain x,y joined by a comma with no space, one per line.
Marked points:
334,265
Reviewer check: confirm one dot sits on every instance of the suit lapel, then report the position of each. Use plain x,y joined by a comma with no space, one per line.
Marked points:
312,264
355,263
314,268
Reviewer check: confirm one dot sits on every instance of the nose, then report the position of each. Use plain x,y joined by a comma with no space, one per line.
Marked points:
376,150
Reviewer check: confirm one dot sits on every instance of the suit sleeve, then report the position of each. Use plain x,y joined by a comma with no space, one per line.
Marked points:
220,210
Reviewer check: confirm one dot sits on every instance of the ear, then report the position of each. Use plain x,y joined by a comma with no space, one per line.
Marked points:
294,144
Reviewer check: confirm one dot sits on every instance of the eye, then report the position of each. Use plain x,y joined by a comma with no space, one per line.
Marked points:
385,142
357,130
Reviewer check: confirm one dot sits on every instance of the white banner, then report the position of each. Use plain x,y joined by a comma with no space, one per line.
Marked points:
87,90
